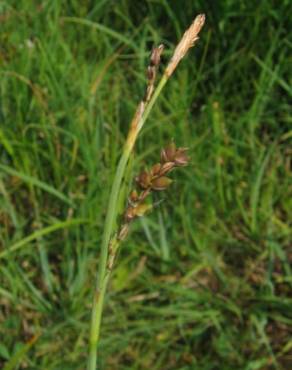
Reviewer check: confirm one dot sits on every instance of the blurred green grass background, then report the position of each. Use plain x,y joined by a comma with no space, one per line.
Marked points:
205,281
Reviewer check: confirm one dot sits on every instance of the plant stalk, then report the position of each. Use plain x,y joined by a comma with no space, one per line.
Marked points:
144,108
103,276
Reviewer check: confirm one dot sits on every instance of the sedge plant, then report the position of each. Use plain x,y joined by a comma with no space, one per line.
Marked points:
147,181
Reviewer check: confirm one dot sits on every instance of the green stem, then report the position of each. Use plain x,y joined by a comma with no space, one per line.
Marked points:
152,101
103,274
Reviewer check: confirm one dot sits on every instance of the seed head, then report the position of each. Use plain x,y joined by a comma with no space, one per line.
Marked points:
144,180
155,55
142,208
172,157
134,196
168,153
166,167
161,183
181,159
188,40
150,73
155,170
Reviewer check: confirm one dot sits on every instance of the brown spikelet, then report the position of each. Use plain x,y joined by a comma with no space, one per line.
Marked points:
188,40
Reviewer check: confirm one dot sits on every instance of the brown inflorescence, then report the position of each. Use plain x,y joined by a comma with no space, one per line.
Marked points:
153,180
152,71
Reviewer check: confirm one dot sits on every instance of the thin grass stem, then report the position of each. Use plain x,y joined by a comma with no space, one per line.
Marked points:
102,277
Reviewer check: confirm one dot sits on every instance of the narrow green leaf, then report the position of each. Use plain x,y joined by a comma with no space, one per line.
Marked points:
41,232
36,182
17,357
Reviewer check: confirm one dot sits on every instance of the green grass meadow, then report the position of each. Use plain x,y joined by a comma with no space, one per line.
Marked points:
203,282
